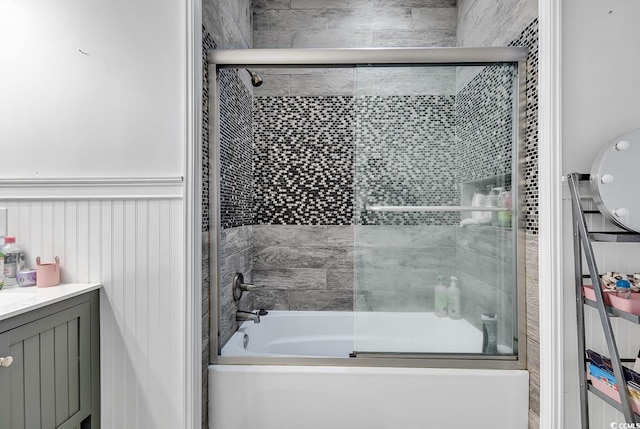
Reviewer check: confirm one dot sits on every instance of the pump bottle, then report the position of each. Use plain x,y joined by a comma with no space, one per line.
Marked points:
440,298
453,299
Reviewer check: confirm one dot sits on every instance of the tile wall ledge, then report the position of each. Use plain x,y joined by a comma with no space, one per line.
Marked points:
92,188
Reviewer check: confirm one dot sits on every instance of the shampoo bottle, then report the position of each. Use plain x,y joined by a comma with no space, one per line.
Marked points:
453,299
489,333
440,298
1,269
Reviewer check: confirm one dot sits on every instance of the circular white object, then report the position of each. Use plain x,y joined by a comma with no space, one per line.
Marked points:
606,179
622,145
619,199
621,212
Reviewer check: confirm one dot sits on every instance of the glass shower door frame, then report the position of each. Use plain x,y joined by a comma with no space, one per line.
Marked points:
348,58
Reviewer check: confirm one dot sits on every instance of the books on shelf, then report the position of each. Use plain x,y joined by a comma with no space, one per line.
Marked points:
602,378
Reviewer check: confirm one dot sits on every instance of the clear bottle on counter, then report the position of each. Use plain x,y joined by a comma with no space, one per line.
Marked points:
12,260
1,269
623,289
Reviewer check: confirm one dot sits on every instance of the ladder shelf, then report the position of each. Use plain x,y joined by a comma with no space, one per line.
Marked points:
582,241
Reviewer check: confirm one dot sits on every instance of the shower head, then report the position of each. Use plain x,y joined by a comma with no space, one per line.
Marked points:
256,80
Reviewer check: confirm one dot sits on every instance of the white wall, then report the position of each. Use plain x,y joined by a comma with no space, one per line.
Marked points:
600,101
116,109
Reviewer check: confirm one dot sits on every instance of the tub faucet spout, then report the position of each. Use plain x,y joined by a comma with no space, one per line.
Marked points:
241,316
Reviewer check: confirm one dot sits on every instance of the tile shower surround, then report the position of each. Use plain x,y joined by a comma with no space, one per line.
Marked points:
236,214
404,150
486,293
207,45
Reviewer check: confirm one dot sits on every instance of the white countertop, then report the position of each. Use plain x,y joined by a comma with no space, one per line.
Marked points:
15,300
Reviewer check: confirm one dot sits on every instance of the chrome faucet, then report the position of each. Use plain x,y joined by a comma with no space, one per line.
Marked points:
241,316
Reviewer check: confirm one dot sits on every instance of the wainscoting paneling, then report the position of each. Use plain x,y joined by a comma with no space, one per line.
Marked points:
135,249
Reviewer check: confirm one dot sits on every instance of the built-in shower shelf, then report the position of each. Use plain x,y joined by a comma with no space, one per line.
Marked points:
435,209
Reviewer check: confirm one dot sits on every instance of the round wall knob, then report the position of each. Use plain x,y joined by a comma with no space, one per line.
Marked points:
622,214
622,145
607,178
6,362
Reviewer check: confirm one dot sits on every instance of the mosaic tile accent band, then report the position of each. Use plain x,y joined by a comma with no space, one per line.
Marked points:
484,124
236,151
306,154
207,45
404,150
405,155
529,39
303,160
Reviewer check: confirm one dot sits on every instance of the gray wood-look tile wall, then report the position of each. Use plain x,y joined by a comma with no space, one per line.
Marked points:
236,256
229,22
354,24
493,23
303,267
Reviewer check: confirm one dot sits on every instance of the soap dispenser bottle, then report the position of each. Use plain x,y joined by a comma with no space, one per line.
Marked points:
489,333
453,299
440,298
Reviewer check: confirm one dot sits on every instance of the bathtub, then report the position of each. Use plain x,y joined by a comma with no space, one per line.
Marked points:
332,396
338,333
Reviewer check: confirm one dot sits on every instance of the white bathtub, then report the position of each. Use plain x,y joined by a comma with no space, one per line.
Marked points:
336,334
320,397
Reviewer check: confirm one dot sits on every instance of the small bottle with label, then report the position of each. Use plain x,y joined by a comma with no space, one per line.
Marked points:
623,289
440,298
453,300
1,269
489,333
12,260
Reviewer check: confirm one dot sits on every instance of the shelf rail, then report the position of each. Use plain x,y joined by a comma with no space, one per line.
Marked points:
378,208
582,244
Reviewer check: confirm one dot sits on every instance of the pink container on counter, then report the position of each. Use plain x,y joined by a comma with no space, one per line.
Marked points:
47,274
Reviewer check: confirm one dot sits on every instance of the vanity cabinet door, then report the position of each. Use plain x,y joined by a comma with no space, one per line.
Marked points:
48,384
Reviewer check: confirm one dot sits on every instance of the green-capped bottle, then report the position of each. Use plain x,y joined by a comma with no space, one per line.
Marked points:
440,298
1,270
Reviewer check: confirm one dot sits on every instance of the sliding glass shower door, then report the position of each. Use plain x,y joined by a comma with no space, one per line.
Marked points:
434,205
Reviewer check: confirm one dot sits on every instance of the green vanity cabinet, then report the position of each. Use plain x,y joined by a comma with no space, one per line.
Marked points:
52,379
